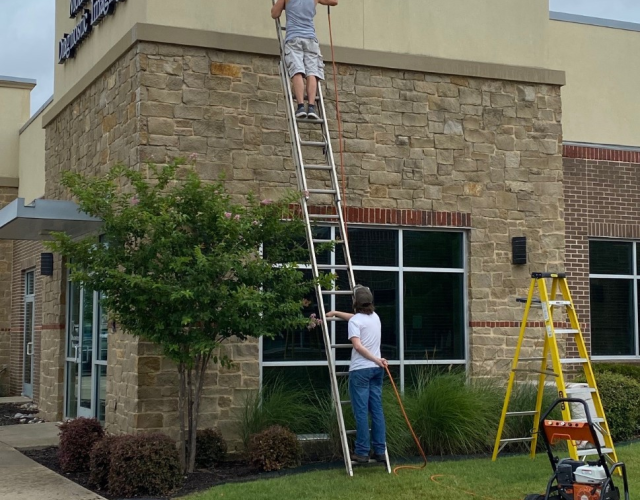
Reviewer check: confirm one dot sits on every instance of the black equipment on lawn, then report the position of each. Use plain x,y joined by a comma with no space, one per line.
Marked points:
574,479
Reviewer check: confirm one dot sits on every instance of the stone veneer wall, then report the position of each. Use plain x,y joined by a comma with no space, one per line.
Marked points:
412,141
7,195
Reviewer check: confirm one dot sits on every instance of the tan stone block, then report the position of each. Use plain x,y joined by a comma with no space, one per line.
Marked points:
420,86
189,112
414,120
156,109
155,80
449,142
229,70
147,420
161,126
385,178
165,67
447,90
359,146
444,104
209,128
195,97
261,108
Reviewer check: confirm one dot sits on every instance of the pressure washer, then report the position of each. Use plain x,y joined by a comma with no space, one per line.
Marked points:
575,479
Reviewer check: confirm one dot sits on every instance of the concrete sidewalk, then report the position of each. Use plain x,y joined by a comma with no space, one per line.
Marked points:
22,478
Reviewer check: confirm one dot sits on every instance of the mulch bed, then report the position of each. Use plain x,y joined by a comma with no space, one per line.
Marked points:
227,472
9,410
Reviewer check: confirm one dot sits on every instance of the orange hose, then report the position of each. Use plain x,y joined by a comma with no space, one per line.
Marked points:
415,438
339,118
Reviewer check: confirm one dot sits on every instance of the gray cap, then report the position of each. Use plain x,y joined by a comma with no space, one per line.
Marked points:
362,296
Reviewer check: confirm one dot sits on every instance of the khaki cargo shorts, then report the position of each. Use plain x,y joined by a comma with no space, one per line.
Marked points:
302,55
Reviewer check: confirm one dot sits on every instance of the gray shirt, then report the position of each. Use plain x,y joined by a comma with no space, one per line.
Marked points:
300,14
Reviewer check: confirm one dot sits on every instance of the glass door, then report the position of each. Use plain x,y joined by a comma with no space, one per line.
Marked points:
87,342
29,330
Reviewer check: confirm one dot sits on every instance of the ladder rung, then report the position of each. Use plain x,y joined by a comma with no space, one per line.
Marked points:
335,318
569,361
337,292
559,303
318,167
341,267
530,359
321,242
526,370
322,191
309,120
592,451
521,413
574,390
342,374
313,144
565,331
351,433
597,420
341,346
323,216
517,440
345,402
523,300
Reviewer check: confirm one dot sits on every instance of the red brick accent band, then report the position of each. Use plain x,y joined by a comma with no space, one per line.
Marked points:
516,324
592,153
401,217
53,327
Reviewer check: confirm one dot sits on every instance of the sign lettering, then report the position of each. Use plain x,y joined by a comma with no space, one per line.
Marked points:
76,6
68,46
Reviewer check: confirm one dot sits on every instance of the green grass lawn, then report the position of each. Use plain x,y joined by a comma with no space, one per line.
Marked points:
510,478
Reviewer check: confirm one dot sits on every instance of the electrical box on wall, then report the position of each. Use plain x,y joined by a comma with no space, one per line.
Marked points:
519,250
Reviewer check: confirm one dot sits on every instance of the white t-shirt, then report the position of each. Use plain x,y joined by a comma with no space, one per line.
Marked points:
368,329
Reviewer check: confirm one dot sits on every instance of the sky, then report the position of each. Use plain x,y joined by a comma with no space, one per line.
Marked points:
28,45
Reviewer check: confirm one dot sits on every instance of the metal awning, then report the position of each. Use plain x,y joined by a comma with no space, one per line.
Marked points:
39,219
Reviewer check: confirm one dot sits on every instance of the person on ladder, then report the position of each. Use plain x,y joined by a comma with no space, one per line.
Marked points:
365,376
302,50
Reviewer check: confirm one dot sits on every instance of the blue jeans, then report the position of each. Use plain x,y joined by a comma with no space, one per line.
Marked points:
365,390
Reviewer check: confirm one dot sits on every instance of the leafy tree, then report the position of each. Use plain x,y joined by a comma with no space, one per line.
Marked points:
180,265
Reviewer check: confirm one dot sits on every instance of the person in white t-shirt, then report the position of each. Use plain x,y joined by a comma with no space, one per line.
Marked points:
365,376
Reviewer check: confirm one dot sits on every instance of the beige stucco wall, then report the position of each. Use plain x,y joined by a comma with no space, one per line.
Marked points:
600,102
509,32
31,163
14,112
500,31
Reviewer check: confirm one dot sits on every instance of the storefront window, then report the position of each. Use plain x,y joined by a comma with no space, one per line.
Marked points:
418,281
613,297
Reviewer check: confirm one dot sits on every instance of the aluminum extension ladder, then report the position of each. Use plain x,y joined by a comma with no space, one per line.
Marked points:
549,304
335,216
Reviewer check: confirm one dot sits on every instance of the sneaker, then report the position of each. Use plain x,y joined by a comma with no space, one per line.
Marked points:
311,113
301,113
380,457
359,459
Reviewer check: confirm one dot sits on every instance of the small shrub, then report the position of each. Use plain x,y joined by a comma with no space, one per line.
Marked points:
77,438
146,464
621,401
274,448
100,460
211,448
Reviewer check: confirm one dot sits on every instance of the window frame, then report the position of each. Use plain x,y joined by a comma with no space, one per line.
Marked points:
401,363
634,277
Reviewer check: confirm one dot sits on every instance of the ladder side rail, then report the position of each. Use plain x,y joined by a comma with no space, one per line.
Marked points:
539,398
555,357
336,185
296,147
512,375
589,373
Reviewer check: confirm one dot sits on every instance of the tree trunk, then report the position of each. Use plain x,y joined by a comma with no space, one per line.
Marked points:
200,368
182,416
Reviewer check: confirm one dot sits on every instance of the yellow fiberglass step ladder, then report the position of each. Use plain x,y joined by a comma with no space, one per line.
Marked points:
550,305
334,216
